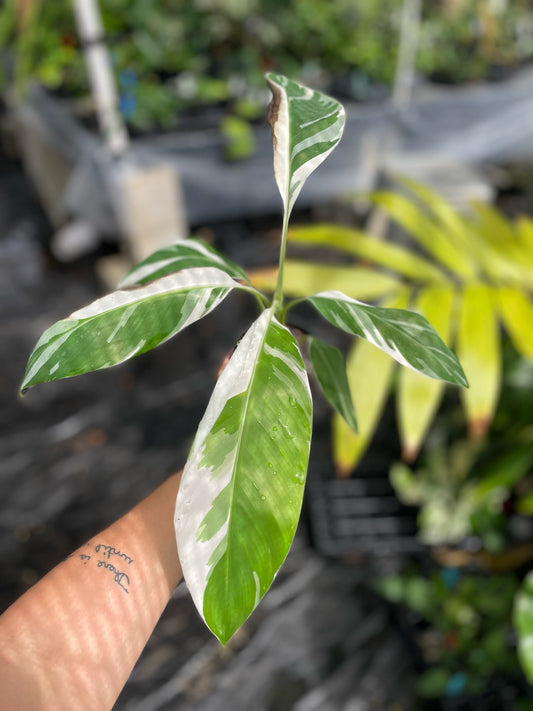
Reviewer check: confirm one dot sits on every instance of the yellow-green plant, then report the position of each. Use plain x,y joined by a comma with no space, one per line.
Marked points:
469,274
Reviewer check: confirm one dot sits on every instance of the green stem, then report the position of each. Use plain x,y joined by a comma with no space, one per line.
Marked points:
278,294
283,312
260,298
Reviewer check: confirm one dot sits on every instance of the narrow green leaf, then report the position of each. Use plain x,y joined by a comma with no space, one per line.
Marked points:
478,348
303,278
404,335
241,493
183,254
418,397
523,622
306,127
126,323
329,368
386,254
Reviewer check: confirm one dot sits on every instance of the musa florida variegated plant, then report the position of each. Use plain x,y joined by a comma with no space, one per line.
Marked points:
241,492
469,273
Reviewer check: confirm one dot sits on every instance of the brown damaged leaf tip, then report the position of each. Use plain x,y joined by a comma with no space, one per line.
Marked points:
273,110
343,472
409,454
478,428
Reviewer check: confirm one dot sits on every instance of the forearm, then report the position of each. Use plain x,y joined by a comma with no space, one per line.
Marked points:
71,641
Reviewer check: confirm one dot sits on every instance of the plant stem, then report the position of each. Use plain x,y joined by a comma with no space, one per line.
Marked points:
277,302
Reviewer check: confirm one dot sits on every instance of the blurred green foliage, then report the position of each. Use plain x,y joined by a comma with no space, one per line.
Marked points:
466,488
464,627
185,54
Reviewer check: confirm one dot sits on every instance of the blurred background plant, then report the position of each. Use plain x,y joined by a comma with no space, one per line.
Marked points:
480,490
175,55
462,624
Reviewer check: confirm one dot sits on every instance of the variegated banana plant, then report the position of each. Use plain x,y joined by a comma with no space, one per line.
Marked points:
469,274
241,492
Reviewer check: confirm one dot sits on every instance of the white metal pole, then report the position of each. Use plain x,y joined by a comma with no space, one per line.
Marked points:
91,33
405,67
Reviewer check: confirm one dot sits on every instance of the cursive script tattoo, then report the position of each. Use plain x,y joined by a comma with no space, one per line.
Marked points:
108,551
120,578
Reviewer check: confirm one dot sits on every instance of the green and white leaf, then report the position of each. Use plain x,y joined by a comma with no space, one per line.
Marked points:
183,254
330,371
241,493
406,336
306,127
369,373
126,323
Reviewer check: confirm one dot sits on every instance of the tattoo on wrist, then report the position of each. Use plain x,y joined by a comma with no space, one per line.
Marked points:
103,559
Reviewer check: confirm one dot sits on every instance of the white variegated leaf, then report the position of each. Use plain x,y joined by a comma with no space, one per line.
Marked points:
241,492
183,254
125,323
406,336
306,127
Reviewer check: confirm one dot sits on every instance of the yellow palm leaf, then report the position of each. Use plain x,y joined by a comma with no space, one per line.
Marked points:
386,254
478,349
517,314
304,278
419,396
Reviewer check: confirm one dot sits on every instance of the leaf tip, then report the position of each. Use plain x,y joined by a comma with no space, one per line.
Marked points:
478,427
410,453
343,471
